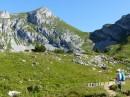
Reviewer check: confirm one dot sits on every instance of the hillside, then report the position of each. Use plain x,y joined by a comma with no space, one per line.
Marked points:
54,75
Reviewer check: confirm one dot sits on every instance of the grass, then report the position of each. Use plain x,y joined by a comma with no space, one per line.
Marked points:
62,26
55,75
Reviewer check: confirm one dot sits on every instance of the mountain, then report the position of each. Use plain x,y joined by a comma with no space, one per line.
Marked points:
22,31
112,35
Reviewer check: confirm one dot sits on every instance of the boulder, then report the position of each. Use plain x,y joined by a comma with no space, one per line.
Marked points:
14,93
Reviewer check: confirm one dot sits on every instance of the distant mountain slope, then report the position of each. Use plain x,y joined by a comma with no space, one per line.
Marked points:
111,34
22,31
121,51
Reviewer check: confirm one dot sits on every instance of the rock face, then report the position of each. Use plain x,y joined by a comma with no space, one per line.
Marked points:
5,30
41,16
111,34
22,31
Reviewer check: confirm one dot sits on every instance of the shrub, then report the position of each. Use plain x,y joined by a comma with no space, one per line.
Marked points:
39,48
73,94
33,88
70,51
127,93
96,95
60,51
113,87
120,57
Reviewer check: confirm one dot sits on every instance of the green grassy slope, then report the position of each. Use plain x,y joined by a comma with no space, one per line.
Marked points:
54,74
121,51
61,26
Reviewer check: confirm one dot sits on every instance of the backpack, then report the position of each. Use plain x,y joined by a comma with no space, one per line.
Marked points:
119,77
123,76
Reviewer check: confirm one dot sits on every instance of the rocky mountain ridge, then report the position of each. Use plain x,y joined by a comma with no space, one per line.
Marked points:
19,32
111,34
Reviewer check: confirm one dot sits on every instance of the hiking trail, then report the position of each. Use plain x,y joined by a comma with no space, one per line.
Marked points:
110,92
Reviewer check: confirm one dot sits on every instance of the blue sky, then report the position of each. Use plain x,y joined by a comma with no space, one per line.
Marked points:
86,15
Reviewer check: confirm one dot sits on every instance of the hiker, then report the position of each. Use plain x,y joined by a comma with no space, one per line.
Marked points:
123,76
120,77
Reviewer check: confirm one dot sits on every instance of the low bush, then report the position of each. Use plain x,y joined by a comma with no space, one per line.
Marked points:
127,92
113,87
39,48
97,95
60,51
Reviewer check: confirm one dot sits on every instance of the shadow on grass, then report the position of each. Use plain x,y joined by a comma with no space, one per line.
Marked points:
75,94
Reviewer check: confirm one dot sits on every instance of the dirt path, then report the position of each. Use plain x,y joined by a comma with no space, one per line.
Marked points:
106,87
110,92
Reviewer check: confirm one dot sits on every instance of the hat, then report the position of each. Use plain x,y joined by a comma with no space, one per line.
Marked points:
118,70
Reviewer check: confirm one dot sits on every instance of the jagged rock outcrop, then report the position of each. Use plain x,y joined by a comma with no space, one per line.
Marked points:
21,31
111,34
5,30
41,16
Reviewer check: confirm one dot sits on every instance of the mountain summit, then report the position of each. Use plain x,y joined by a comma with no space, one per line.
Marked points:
22,31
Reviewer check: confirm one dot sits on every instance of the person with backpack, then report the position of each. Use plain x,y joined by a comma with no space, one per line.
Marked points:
123,75
120,77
